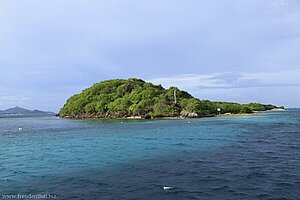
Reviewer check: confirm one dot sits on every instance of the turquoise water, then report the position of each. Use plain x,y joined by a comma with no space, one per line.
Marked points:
254,157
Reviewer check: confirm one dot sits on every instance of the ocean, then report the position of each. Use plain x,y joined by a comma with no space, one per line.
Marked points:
247,157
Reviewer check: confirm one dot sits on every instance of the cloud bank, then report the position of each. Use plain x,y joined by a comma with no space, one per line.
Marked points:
229,80
267,87
52,49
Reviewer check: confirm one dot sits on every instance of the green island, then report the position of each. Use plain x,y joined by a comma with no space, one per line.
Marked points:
135,98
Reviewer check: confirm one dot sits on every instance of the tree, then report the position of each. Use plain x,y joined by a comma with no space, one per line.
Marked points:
119,107
119,98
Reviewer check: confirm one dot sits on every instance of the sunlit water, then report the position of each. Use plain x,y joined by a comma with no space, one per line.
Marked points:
254,157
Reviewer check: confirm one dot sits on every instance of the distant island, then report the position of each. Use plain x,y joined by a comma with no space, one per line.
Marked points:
135,98
22,112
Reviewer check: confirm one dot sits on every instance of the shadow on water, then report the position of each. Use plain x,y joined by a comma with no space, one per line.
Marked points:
232,172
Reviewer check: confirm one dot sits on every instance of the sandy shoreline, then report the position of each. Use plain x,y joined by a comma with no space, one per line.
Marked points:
238,115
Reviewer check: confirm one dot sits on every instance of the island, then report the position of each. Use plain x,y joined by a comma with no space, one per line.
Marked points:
136,99
22,112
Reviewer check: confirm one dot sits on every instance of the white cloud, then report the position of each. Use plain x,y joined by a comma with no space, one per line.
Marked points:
277,88
285,78
191,81
194,82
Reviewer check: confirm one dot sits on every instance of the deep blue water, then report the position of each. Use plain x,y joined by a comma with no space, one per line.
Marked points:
254,157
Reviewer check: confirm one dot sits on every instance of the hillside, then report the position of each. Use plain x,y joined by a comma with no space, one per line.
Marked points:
22,112
15,110
120,98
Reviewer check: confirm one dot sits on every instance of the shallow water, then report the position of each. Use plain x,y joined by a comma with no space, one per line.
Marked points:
212,158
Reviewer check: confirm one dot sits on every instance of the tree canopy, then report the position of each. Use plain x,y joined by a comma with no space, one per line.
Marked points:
134,97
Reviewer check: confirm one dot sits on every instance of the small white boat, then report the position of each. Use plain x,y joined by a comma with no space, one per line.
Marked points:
167,188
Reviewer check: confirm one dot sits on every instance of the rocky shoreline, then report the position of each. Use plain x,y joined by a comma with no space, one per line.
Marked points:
183,116
94,116
144,117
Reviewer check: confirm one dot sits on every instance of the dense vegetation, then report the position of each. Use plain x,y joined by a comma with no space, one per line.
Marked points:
135,97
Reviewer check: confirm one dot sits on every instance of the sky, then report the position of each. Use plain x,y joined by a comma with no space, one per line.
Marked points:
231,50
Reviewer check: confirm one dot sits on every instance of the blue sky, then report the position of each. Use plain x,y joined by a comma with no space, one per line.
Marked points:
231,50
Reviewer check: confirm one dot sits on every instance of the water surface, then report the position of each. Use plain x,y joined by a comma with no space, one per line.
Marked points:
212,158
